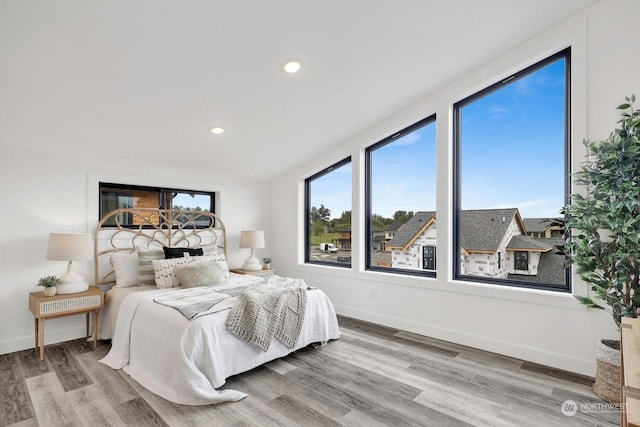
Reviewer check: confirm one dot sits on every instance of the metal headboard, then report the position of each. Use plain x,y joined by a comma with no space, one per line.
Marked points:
122,230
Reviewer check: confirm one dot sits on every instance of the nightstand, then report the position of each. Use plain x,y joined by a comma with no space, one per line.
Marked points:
87,302
259,273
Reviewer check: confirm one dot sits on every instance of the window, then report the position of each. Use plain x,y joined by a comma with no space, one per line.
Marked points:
522,260
400,193
328,216
511,151
429,257
119,196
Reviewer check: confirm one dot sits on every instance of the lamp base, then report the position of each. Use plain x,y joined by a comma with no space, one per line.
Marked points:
71,282
252,264
71,288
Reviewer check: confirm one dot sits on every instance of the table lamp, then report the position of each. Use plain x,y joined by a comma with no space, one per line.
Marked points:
70,247
252,240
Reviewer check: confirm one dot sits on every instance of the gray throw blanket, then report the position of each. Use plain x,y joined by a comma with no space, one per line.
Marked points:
195,302
275,309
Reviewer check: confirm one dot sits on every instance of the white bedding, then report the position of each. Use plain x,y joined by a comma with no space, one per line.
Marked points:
185,361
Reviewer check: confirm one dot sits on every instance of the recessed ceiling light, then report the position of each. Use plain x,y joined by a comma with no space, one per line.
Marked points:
217,130
292,66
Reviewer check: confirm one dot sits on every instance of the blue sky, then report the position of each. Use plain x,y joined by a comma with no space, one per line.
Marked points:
512,156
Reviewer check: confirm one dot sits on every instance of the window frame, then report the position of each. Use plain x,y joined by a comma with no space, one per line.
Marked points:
368,219
162,197
307,214
456,196
520,258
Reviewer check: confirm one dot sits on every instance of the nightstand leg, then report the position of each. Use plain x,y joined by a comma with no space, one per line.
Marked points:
35,333
41,337
87,320
95,328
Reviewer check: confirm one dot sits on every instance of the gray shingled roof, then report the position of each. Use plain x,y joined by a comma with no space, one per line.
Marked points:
484,229
527,243
394,226
550,268
536,225
409,229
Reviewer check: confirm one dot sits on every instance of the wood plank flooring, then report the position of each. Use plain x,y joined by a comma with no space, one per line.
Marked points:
372,376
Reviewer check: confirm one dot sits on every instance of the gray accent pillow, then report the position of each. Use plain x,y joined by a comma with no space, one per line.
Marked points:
200,274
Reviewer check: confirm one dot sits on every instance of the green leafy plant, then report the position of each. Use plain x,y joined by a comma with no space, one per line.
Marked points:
604,223
48,281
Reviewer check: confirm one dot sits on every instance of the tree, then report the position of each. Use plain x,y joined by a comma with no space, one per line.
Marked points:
320,215
342,223
402,216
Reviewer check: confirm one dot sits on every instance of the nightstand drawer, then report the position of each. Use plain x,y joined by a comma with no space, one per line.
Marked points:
68,305
42,306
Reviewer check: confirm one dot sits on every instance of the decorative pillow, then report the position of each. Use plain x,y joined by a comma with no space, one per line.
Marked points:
200,274
211,249
146,274
125,266
165,276
180,252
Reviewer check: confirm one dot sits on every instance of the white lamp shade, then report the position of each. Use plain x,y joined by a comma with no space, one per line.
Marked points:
69,246
252,239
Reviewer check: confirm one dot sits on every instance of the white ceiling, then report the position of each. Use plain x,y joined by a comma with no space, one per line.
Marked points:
149,78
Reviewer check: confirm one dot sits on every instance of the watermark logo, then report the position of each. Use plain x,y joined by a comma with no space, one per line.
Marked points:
569,408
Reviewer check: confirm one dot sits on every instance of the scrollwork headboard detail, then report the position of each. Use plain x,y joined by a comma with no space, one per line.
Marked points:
122,230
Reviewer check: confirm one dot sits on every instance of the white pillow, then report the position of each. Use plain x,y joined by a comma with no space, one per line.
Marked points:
145,268
125,266
200,274
165,276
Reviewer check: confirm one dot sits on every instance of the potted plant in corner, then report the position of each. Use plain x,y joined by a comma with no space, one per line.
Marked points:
49,283
604,235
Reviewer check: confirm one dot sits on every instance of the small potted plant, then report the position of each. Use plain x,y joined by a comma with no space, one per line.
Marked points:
266,263
49,283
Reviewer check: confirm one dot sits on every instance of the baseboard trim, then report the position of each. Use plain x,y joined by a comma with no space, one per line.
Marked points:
50,337
530,354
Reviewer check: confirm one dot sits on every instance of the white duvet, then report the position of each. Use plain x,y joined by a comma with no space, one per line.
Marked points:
187,361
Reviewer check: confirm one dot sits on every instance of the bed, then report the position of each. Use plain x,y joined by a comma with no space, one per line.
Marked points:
187,360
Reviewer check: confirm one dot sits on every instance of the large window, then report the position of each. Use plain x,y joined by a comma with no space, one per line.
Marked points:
511,161
119,196
401,201
328,213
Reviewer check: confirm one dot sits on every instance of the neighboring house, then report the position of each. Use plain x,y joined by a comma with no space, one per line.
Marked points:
544,227
494,243
343,241
382,237
378,241
413,245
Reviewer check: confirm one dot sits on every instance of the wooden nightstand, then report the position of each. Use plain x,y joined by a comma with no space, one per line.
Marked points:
259,273
87,302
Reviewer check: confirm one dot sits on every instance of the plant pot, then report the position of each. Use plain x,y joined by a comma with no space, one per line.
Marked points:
50,291
266,266
607,381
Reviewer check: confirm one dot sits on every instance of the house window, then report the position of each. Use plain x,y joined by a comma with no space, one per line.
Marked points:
400,188
328,216
521,260
119,196
511,154
429,257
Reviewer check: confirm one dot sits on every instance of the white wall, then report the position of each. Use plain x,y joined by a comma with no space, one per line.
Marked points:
43,191
544,327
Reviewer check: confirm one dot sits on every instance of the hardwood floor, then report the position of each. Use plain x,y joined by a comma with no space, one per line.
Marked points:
372,376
